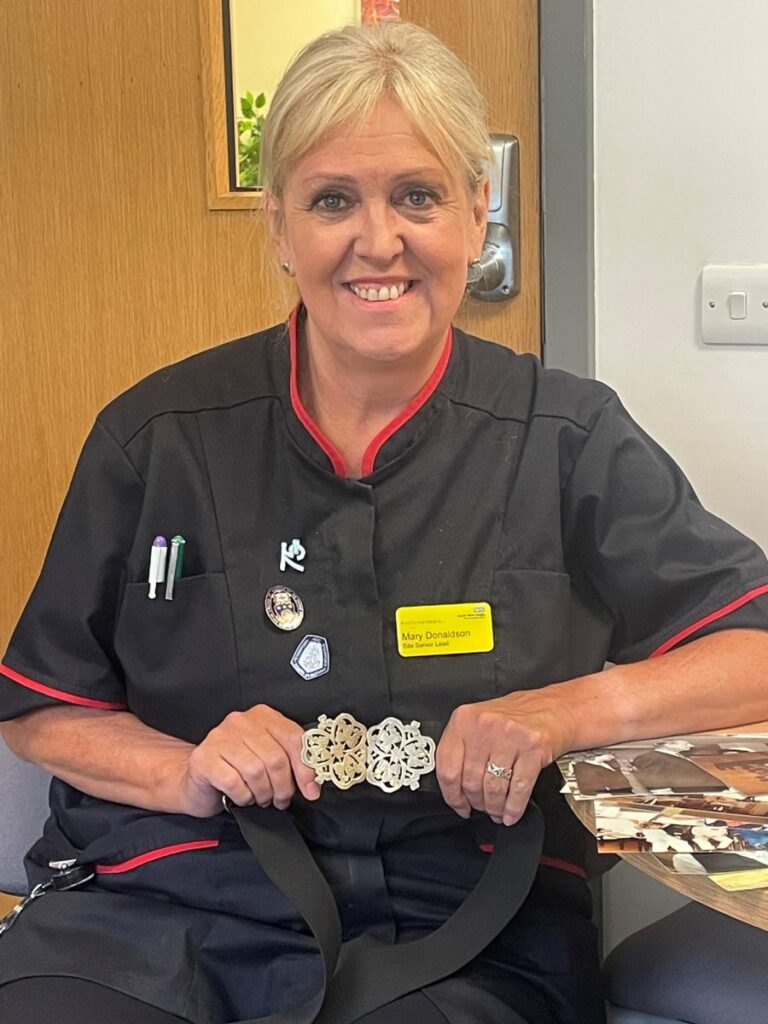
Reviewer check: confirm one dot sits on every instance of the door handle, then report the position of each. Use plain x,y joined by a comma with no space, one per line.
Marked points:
496,276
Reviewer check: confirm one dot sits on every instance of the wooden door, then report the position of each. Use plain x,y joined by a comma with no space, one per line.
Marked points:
112,264
498,40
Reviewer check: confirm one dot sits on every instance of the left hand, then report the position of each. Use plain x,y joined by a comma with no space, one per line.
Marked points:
524,731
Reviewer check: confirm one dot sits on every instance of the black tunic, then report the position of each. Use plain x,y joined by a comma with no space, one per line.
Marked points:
503,482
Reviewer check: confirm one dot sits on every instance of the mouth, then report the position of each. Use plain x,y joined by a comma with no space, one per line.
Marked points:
380,293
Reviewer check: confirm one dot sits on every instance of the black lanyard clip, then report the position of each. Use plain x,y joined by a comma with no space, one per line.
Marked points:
67,877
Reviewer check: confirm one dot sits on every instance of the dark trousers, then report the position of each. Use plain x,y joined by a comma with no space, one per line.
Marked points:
73,1001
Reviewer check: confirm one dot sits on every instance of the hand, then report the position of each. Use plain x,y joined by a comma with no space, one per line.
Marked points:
253,757
524,731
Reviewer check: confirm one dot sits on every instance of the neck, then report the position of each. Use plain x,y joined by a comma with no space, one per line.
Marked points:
352,399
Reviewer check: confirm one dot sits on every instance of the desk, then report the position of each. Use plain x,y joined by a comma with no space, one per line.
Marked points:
750,906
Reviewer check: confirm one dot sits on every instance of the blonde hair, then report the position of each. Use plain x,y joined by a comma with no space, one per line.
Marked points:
338,79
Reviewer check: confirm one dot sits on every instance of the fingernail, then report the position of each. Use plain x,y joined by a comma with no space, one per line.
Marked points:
496,821
281,805
462,813
508,819
313,791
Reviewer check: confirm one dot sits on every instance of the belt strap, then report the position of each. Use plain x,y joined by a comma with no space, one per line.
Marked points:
361,975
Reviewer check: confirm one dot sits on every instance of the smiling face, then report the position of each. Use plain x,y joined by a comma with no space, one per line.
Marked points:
379,234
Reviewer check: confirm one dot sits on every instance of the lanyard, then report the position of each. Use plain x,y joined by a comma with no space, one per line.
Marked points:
70,877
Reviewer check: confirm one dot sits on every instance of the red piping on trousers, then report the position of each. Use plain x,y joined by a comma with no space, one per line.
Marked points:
712,617
158,854
69,698
548,862
369,458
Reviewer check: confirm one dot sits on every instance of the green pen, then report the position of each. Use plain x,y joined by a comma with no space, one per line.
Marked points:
175,563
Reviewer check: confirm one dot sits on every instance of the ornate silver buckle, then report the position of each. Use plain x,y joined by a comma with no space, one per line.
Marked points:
389,755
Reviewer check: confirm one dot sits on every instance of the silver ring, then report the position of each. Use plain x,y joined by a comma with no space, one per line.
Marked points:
498,771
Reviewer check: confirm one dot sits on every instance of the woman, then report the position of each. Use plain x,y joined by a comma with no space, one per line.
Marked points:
380,479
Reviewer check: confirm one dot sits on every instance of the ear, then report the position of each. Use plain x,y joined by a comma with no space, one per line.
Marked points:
273,208
479,224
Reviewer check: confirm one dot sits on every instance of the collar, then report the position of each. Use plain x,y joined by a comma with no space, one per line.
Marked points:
399,434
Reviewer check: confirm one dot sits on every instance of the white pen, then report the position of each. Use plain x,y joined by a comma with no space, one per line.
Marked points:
157,564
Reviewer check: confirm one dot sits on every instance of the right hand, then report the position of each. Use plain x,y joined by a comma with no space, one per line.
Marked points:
253,757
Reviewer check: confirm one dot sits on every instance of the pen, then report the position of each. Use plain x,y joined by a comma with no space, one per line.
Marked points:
175,562
157,564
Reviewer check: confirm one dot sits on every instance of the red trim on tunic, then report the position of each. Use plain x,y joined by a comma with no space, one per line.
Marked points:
158,854
337,460
69,698
712,617
369,458
548,862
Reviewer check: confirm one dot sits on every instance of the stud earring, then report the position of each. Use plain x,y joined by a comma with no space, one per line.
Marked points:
474,272
286,267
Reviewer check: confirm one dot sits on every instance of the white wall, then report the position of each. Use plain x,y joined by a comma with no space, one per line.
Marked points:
681,180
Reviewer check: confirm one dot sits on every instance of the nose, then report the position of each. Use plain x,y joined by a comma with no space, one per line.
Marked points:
379,239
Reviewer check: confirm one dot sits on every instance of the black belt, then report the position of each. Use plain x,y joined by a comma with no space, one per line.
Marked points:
364,974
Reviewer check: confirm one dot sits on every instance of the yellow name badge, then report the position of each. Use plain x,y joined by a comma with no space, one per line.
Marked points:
427,629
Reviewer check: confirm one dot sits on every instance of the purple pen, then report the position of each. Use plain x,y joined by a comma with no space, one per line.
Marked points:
157,564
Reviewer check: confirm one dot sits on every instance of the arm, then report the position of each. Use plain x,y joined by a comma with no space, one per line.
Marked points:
252,757
714,682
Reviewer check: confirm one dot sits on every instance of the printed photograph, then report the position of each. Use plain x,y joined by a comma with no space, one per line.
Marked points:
689,765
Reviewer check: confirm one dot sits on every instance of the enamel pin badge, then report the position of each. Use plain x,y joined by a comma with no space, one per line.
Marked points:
291,555
284,608
312,657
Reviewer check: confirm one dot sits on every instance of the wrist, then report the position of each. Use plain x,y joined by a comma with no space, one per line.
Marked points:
171,789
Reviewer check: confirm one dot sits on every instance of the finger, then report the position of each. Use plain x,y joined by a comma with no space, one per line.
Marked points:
304,776
473,779
449,763
225,778
524,774
496,787
268,772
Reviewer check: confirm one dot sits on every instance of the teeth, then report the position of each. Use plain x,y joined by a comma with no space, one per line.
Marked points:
381,294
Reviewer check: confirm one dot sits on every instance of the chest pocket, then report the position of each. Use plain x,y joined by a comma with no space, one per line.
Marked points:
178,656
532,628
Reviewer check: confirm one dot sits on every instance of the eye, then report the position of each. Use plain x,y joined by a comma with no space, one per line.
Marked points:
419,197
330,202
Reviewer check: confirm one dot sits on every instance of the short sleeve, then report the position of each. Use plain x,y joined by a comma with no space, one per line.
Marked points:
61,649
639,540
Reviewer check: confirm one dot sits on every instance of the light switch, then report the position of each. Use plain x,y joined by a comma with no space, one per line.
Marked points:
737,305
734,304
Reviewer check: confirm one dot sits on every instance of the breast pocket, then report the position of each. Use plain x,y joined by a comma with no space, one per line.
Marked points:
532,627
179,656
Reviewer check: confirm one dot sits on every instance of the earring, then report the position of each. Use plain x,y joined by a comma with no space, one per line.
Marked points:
286,267
474,272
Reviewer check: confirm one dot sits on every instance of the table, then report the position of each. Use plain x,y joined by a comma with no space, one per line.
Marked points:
750,906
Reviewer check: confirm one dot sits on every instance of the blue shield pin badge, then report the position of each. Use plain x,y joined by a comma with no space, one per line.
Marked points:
312,657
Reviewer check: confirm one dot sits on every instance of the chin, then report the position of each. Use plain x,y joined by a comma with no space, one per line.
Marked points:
400,345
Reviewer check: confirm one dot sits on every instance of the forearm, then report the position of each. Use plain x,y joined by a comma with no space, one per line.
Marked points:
108,754
716,682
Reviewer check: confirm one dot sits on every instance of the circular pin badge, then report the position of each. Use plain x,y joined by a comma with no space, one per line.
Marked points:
284,608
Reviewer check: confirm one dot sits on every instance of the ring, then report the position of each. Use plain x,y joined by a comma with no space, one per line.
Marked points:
498,771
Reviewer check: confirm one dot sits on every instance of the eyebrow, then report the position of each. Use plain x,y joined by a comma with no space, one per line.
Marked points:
348,179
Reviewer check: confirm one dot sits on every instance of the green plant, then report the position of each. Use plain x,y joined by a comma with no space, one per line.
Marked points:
249,139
